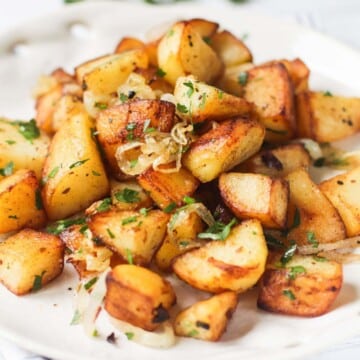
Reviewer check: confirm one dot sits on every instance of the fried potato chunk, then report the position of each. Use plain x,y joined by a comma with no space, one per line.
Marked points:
223,147
30,260
256,196
307,286
207,319
138,296
233,264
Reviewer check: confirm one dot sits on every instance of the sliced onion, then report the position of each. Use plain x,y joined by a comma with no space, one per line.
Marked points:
137,84
91,100
344,258
312,147
351,243
164,337
168,97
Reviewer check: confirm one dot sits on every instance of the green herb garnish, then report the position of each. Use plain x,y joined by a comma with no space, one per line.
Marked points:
160,72
123,97
190,87
328,93
319,258
95,173
28,130
295,271
104,205
129,220
37,284
289,294
243,78
100,105
61,225
110,233
129,335
78,163
127,196
90,283
38,200
193,333
8,169
311,239
207,40
76,318
129,257
182,108
10,142
169,208
218,231
188,200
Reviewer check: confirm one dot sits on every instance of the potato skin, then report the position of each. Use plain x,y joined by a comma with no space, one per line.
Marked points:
207,319
309,294
223,147
27,255
233,264
138,296
20,202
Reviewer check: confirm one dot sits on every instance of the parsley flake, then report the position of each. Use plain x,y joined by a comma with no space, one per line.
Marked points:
28,130
37,284
129,220
104,205
311,239
127,196
76,318
243,78
218,231
289,294
110,233
129,257
169,208
90,283
123,97
10,142
190,87
160,72
61,225
78,163
188,200
38,200
181,108
328,93
129,335
8,169
295,271
100,105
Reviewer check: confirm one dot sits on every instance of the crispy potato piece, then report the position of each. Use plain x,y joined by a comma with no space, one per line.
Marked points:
230,49
344,193
207,319
74,175
129,195
270,89
182,236
30,260
112,122
305,287
108,76
14,147
312,219
20,202
138,296
128,43
155,80
256,196
202,102
88,256
134,236
277,162
327,118
223,147
205,28
183,51
233,264
167,188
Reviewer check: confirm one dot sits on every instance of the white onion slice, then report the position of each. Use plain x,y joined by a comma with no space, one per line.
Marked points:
341,244
312,147
164,337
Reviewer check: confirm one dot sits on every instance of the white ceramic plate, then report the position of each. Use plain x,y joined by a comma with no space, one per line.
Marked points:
40,322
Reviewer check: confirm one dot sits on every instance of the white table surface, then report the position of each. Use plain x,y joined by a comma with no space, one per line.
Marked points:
339,19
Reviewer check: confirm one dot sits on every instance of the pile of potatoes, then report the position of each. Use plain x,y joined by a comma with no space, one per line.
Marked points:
64,195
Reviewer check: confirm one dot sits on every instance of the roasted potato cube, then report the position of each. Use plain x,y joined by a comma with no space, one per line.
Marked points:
84,68
183,51
207,319
74,175
23,152
324,117
270,89
87,255
30,260
305,287
231,50
20,202
129,43
233,264
277,162
182,236
312,219
133,235
129,195
113,122
107,76
256,196
199,102
223,147
344,193
168,188
138,296
205,28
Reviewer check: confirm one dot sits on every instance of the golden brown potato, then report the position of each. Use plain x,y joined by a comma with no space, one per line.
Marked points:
205,28
88,256
129,43
168,188
235,263
270,89
20,202
324,117
256,196
30,260
138,296
305,287
183,51
133,235
198,101
231,50
223,147
112,125
23,144
344,193
129,195
82,69
207,319
107,76
155,79
73,174
182,236
277,162
312,219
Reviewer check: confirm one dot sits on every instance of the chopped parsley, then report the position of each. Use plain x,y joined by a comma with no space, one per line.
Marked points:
8,169
160,72
319,258
328,93
130,127
133,163
169,208
111,234
129,335
129,220
53,172
147,129
123,97
95,173
181,108
311,239
78,163
37,284
193,333
188,200
190,87
319,162
10,142
129,257
76,318
289,253
220,94
184,243
218,231
294,271
104,205
90,283
144,211
100,105
28,130
170,33
207,40
289,294
127,196
83,229
243,78
61,225
38,200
